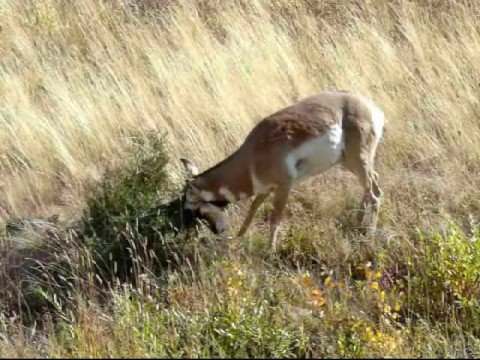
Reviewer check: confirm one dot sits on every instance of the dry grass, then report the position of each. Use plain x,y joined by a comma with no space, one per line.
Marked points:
77,78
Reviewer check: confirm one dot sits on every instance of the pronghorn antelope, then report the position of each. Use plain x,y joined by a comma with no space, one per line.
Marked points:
299,141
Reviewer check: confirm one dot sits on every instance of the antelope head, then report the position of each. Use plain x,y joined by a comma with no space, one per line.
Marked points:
201,205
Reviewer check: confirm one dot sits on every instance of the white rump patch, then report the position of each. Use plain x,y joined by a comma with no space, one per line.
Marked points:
227,194
378,117
378,122
316,155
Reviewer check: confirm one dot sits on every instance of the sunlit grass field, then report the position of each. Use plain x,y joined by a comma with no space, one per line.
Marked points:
95,92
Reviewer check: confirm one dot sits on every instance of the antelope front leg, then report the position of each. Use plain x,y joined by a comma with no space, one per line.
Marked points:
253,209
279,202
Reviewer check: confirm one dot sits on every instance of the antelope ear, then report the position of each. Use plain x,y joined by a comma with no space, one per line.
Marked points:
190,169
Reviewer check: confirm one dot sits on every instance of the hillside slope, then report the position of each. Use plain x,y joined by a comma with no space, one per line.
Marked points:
93,92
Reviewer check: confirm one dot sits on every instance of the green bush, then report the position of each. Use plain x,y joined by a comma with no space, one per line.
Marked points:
125,227
127,230
444,277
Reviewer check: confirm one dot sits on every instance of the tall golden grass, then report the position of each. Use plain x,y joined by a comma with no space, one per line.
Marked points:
77,78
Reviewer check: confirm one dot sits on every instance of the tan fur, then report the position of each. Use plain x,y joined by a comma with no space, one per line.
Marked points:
264,151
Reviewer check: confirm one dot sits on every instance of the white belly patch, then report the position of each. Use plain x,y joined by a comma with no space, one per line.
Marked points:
316,155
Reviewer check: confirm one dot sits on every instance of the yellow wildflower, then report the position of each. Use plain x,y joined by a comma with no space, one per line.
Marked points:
319,302
317,298
306,280
369,334
328,282
368,273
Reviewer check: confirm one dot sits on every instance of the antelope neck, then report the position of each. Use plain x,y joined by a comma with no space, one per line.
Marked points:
228,181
